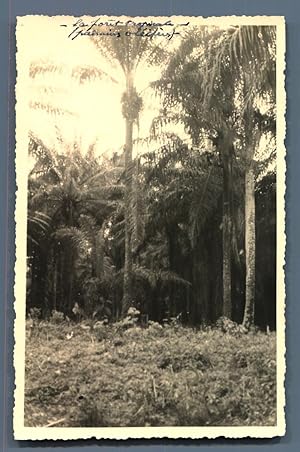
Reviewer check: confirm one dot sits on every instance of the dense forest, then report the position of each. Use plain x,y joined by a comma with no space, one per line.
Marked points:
151,226
185,230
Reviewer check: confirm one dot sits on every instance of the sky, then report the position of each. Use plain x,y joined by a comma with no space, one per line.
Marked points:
94,106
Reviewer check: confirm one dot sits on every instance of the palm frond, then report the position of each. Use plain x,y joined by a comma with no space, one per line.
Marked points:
89,73
41,67
51,109
38,226
168,277
77,238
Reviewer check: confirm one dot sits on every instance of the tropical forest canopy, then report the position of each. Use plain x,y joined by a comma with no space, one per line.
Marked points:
176,225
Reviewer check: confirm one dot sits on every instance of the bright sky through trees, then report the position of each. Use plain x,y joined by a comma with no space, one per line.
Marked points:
88,112
91,110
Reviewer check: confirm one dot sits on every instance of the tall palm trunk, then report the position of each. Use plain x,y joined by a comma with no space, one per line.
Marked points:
227,230
252,139
127,284
137,211
69,275
98,254
70,262
249,246
55,284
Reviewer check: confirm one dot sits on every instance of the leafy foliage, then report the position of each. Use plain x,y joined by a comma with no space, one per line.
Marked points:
156,222
80,208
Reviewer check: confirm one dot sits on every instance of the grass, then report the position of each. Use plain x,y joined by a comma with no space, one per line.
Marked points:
155,376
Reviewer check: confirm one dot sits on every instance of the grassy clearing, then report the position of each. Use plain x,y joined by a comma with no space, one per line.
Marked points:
156,376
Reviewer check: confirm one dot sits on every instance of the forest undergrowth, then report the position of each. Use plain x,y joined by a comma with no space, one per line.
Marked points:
88,374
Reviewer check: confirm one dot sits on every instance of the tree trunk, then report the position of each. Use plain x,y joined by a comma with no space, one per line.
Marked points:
137,211
127,284
94,257
55,283
227,231
99,254
248,320
69,275
226,265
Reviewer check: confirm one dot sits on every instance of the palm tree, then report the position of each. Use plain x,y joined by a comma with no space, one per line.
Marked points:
208,115
64,186
221,100
130,52
251,53
183,191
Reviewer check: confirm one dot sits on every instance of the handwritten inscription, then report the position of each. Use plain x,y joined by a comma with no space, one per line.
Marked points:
117,28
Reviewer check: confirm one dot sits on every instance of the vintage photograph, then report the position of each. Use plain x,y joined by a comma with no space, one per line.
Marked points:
149,277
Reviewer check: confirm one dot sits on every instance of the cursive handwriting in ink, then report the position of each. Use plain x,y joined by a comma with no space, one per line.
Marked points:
115,28
83,29
152,32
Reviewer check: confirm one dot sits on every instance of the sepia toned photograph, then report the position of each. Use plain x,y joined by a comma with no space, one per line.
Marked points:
149,275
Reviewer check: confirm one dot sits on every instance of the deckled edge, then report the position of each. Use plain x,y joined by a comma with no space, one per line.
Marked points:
120,433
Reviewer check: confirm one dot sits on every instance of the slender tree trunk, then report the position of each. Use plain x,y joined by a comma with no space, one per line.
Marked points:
60,300
137,211
99,254
248,320
69,275
227,232
55,283
226,266
94,257
127,284
252,138
70,294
